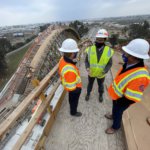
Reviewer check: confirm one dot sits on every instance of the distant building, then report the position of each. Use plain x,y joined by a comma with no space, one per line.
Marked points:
19,34
3,37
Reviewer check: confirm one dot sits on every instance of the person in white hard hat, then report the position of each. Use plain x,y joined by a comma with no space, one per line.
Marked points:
130,82
69,74
98,62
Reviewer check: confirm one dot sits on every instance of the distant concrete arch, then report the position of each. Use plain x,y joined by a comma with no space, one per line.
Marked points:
72,31
39,60
48,55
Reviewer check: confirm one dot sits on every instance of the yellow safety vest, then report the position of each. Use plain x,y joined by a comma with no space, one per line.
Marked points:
97,68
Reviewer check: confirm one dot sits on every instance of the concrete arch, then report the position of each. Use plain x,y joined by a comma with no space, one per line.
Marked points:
48,55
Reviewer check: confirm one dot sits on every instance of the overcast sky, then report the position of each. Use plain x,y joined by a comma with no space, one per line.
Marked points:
14,12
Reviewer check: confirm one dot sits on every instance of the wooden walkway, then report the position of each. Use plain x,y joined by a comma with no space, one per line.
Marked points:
86,132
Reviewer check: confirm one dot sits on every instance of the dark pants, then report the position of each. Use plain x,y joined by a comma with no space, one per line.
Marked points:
117,112
99,82
73,100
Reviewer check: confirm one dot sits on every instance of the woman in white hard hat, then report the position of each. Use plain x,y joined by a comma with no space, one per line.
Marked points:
98,62
130,82
69,74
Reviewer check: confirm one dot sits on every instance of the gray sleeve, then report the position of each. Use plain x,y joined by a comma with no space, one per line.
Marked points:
108,66
87,65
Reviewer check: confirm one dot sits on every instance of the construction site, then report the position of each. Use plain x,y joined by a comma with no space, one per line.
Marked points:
34,108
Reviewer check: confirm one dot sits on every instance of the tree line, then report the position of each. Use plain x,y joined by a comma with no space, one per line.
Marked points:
135,30
80,27
139,30
6,47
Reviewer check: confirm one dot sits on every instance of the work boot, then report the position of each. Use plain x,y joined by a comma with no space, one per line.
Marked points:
78,114
110,131
87,97
100,98
109,116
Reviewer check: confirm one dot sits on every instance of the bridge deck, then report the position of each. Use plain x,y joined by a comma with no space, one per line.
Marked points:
86,132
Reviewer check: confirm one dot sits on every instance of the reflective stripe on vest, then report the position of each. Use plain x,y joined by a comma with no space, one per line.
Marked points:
97,68
119,88
67,68
133,94
116,89
72,85
132,76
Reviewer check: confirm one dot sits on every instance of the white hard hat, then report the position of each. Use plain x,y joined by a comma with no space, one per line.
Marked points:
138,48
102,33
69,46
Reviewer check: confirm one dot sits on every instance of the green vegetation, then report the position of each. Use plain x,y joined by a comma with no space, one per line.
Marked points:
113,39
81,28
44,27
140,30
136,30
5,46
20,44
13,61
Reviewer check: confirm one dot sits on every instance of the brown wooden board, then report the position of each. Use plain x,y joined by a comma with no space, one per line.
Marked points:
49,125
34,119
11,119
59,104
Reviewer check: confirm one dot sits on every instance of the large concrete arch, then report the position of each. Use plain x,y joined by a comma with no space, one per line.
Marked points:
48,55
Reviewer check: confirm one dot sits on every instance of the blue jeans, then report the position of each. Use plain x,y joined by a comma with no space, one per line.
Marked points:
117,112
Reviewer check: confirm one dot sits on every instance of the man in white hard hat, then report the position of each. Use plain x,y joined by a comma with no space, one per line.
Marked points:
98,62
130,82
69,74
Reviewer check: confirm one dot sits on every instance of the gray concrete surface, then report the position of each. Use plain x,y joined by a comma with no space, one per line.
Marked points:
88,131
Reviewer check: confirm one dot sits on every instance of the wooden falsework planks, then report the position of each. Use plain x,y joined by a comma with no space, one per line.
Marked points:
5,125
48,127
34,119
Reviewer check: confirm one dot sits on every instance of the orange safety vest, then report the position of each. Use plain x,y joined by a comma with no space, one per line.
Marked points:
130,84
69,75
